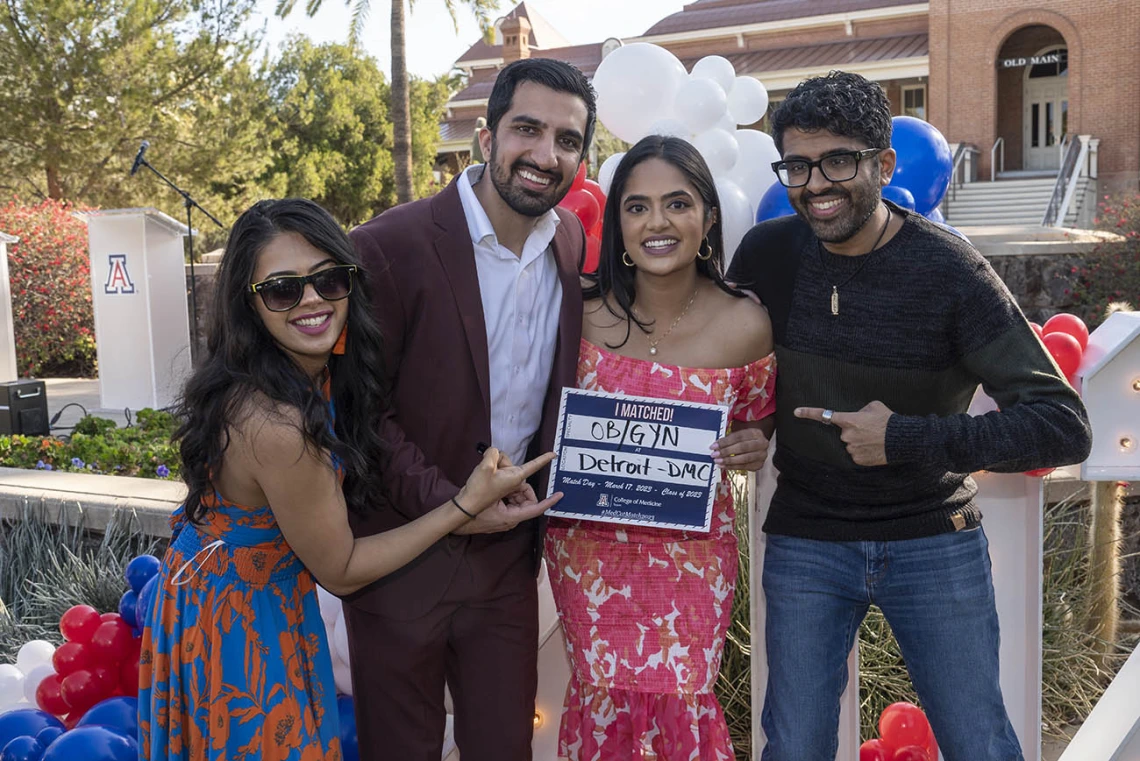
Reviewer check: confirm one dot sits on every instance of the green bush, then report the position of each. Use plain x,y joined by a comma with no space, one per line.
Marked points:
50,277
1111,273
97,446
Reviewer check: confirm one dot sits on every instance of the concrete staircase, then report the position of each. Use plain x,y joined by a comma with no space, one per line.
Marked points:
1007,202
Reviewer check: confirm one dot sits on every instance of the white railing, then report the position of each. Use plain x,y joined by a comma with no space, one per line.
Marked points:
1000,143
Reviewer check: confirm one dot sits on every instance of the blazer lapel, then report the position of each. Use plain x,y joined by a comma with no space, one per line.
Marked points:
457,255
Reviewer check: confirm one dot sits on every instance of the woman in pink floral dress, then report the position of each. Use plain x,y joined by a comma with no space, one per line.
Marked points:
645,610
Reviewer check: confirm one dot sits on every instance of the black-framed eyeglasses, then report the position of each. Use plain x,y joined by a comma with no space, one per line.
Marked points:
836,167
283,292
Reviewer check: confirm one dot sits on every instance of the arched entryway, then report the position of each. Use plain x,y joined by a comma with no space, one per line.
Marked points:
1033,98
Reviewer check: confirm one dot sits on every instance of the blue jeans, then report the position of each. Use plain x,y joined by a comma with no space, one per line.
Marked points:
936,593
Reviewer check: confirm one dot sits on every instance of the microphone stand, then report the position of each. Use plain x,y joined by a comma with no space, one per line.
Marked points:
190,205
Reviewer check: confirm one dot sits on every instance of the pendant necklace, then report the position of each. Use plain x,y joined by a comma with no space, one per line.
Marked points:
866,258
653,344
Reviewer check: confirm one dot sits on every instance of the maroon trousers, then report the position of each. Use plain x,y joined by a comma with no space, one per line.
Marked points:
482,638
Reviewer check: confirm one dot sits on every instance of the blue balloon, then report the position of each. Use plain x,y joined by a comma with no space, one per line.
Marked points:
120,715
924,161
92,744
48,735
128,606
349,745
23,748
899,196
146,602
141,570
935,215
774,204
25,721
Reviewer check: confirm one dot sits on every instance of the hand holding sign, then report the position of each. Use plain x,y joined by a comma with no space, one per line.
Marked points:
864,432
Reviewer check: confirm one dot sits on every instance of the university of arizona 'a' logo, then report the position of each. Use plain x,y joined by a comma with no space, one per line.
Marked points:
118,279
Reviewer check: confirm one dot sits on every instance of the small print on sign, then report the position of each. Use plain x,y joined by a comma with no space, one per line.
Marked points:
634,460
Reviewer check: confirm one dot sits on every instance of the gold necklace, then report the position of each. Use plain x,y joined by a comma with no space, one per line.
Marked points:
866,258
653,344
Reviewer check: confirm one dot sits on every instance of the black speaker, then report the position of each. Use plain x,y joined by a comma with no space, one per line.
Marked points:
23,408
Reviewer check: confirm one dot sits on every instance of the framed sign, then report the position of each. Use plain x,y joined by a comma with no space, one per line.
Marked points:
636,460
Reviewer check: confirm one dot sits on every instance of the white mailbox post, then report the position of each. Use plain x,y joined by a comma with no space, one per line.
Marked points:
138,285
7,326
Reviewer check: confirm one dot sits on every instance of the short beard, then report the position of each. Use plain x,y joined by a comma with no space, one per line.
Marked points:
863,199
523,201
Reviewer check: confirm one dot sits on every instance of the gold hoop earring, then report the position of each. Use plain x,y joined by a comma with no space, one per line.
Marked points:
704,253
625,259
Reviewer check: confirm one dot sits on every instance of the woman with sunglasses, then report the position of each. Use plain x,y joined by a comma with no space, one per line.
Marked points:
278,443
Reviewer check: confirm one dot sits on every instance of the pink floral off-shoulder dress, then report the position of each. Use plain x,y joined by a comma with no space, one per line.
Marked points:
645,610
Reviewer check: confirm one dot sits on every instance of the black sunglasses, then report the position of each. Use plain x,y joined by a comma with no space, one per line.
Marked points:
282,293
836,167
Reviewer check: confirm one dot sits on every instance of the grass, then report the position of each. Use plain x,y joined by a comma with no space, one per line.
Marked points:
47,567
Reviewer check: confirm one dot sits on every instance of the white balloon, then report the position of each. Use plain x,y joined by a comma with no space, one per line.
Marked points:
753,170
636,85
34,653
33,678
748,100
700,103
339,640
15,706
11,684
606,171
330,607
716,68
719,150
670,128
726,123
736,216
342,675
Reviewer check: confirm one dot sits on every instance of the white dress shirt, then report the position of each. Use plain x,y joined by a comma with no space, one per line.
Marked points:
522,297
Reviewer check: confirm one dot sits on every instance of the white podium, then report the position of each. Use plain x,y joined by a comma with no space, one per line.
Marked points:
142,326
7,327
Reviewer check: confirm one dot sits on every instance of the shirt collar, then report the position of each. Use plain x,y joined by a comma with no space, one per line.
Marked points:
479,224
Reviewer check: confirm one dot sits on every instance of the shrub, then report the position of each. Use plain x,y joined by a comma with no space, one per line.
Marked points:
1111,273
50,277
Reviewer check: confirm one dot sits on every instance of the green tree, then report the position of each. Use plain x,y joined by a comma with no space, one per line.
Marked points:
84,83
332,135
399,103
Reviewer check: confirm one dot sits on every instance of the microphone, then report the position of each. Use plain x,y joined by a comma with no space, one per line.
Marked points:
139,160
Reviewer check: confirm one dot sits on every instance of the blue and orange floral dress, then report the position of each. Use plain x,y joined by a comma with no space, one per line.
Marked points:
235,660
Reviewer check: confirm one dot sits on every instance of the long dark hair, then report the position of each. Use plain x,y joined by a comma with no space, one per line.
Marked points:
614,281
243,360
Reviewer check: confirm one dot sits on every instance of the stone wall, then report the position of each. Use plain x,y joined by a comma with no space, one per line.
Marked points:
1041,284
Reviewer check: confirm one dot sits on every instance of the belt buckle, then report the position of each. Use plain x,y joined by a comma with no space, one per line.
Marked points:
958,520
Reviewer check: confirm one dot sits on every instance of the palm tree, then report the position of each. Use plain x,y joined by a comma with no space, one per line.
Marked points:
399,108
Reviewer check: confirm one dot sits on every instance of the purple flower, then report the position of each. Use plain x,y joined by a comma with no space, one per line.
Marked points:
76,462
40,465
162,471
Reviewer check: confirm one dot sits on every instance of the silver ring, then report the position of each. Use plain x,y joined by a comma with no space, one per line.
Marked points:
826,416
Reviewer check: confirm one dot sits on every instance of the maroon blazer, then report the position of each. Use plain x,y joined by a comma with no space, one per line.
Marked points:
421,265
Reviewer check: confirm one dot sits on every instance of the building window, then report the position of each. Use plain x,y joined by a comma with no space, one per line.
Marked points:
914,101
1054,63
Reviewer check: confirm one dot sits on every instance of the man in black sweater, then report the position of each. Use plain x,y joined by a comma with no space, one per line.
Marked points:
885,324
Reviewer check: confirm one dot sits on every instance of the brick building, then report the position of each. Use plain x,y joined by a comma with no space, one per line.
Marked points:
1011,78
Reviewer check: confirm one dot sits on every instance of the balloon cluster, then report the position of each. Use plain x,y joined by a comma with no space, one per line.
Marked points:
107,732
644,89
586,200
1065,337
904,735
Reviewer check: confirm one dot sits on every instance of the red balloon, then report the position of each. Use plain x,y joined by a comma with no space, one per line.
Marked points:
1069,324
595,190
903,724
584,206
593,254
111,642
1039,472
932,746
579,177
71,657
107,677
1065,349
110,617
81,690
71,719
874,750
129,677
911,753
79,623
1037,329
48,696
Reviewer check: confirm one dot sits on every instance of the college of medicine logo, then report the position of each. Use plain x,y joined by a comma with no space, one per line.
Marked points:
118,279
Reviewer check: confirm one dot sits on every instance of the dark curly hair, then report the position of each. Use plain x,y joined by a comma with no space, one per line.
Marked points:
555,75
613,277
243,360
842,103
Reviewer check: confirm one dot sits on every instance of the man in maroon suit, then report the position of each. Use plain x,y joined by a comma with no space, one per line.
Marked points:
478,296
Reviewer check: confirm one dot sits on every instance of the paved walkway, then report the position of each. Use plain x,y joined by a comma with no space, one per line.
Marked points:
80,391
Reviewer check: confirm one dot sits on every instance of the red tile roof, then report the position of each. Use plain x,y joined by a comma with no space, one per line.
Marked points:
711,14
831,54
585,57
542,36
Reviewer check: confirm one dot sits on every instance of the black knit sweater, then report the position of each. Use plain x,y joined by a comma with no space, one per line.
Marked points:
919,327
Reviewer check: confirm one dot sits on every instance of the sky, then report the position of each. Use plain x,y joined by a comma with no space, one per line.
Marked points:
431,40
